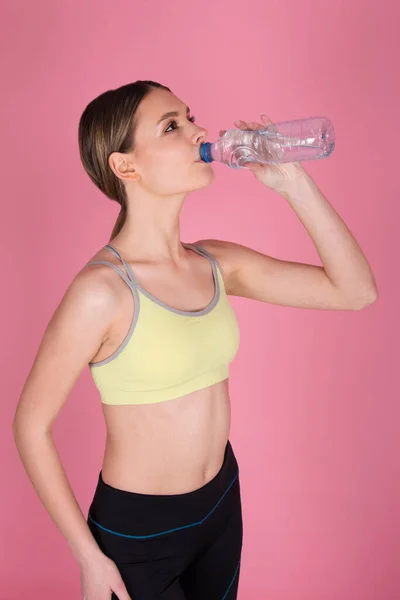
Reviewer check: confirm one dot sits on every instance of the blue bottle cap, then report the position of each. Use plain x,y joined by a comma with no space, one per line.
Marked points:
205,152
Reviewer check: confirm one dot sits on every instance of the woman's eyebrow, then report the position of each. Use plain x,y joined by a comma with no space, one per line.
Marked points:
171,114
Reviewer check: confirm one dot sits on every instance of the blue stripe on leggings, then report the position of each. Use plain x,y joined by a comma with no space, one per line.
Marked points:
233,579
137,537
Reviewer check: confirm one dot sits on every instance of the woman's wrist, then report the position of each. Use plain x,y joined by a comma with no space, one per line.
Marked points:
298,178
87,553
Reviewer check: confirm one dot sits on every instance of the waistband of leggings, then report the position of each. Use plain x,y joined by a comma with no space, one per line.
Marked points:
132,513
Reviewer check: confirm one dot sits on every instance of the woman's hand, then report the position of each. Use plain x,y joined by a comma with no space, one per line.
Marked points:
100,577
275,176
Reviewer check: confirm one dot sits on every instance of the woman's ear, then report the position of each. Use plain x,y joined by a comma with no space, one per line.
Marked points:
121,165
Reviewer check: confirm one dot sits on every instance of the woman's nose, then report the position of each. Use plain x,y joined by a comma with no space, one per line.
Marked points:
200,135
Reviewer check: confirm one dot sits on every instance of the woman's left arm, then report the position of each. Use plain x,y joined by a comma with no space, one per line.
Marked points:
344,282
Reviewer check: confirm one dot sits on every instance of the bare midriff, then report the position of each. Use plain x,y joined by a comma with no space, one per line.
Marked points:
170,447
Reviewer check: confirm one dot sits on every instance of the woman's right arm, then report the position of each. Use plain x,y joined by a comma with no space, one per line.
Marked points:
72,338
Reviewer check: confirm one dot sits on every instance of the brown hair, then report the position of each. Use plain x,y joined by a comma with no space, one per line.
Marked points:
106,126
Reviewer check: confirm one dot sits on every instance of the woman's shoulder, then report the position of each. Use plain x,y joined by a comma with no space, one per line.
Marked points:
223,251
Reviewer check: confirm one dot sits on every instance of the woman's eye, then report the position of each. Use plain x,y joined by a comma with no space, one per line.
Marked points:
168,130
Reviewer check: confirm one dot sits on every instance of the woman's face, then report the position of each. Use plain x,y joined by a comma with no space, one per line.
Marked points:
167,146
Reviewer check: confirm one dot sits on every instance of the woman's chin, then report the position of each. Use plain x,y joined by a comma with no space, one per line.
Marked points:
206,177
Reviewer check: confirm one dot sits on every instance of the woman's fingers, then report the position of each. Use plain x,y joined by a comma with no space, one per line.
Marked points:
266,120
252,125
241,124
249,125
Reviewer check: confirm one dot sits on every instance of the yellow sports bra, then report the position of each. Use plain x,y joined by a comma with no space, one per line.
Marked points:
168,352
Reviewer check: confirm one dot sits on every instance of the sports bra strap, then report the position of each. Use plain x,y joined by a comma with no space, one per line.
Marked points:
117,269
124,262
200,250
197,248
131,280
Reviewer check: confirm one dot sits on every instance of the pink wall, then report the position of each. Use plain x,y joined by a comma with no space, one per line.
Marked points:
314,393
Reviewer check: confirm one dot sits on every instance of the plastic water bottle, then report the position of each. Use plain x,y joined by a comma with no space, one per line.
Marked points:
288,141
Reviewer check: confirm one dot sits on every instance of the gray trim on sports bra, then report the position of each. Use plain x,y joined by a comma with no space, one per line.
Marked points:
134,285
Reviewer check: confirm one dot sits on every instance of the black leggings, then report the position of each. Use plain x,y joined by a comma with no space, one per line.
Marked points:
176,547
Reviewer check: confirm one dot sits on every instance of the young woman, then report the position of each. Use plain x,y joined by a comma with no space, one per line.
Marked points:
150,316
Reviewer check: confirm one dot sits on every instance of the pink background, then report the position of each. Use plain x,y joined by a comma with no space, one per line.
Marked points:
315,421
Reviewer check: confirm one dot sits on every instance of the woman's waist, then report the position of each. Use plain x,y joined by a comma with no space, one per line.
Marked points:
170,448
148,515
174,467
